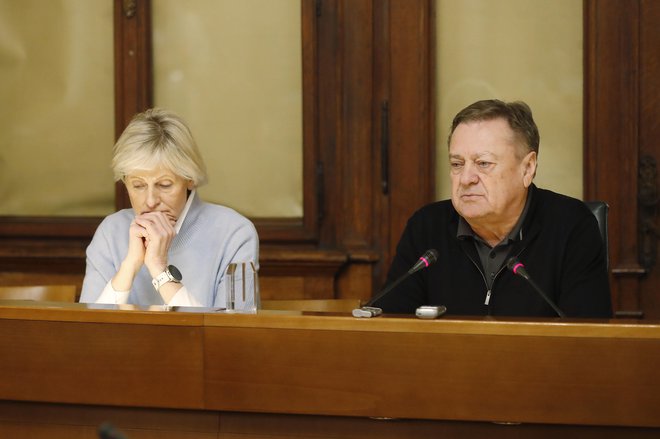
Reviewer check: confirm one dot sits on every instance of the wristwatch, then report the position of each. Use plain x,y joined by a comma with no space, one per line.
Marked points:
171,274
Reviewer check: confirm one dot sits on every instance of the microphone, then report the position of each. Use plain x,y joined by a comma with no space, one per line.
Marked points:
518,268
428,258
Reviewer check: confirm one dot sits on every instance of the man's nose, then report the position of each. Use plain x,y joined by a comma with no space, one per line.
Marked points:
469,174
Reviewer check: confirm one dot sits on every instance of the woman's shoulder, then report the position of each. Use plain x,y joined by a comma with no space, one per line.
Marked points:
117,220
223,217
222,212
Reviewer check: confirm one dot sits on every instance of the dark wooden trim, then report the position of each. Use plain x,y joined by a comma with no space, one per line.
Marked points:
355,149
287,261
411,108
329,73
48,227
54,266
309,228
611,135
382,84
133,71
412,120
278,231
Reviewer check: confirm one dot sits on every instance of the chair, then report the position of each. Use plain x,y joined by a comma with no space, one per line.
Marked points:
316,305
47,293
600,210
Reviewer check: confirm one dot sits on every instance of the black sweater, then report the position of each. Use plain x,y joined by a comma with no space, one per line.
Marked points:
561,249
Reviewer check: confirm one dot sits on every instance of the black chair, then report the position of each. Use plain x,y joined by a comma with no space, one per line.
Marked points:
600,210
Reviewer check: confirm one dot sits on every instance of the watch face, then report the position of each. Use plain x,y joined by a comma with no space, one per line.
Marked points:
176,274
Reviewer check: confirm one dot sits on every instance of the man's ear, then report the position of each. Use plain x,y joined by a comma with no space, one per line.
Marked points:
529,168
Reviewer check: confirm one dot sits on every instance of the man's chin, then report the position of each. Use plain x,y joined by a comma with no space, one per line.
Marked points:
471,211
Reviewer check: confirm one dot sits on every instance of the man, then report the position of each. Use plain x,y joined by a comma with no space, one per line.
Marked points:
496,213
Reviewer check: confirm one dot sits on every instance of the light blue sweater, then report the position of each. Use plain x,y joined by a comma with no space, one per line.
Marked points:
210,238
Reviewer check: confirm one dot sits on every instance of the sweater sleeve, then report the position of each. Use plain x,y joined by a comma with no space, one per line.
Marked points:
584,285
99,270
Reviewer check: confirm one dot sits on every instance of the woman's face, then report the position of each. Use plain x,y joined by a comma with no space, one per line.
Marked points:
158,190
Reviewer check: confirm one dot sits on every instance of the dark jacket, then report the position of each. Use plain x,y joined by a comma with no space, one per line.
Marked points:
561,248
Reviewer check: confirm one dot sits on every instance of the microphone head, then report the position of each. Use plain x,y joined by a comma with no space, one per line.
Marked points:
431,256
424,261
516,266
511,262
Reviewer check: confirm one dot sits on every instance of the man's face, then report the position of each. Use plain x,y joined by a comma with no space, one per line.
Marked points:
489,179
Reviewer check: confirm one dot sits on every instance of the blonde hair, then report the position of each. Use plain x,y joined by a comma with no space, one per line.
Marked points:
156,138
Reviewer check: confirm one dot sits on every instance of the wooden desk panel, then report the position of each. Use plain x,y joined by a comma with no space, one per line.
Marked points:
548,373
58,421
42,420
87,358
293,363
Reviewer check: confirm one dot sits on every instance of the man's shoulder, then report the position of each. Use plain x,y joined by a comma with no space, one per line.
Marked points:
559,212
553,203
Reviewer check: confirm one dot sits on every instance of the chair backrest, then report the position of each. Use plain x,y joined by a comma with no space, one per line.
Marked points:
600,209
47,293
316,305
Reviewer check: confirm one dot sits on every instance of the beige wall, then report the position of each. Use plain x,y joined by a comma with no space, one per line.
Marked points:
222,63
528,50
57,112
233,70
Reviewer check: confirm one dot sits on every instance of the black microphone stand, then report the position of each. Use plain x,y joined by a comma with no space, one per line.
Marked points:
427,259
538,289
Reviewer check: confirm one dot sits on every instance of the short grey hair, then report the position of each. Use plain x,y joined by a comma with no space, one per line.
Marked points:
517,114
158,137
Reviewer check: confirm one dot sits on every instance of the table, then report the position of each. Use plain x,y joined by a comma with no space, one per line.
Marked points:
159,372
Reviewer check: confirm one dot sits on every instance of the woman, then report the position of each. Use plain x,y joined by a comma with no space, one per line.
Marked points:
171,247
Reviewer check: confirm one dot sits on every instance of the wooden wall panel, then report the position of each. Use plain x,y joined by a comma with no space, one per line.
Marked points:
412,120
621,131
